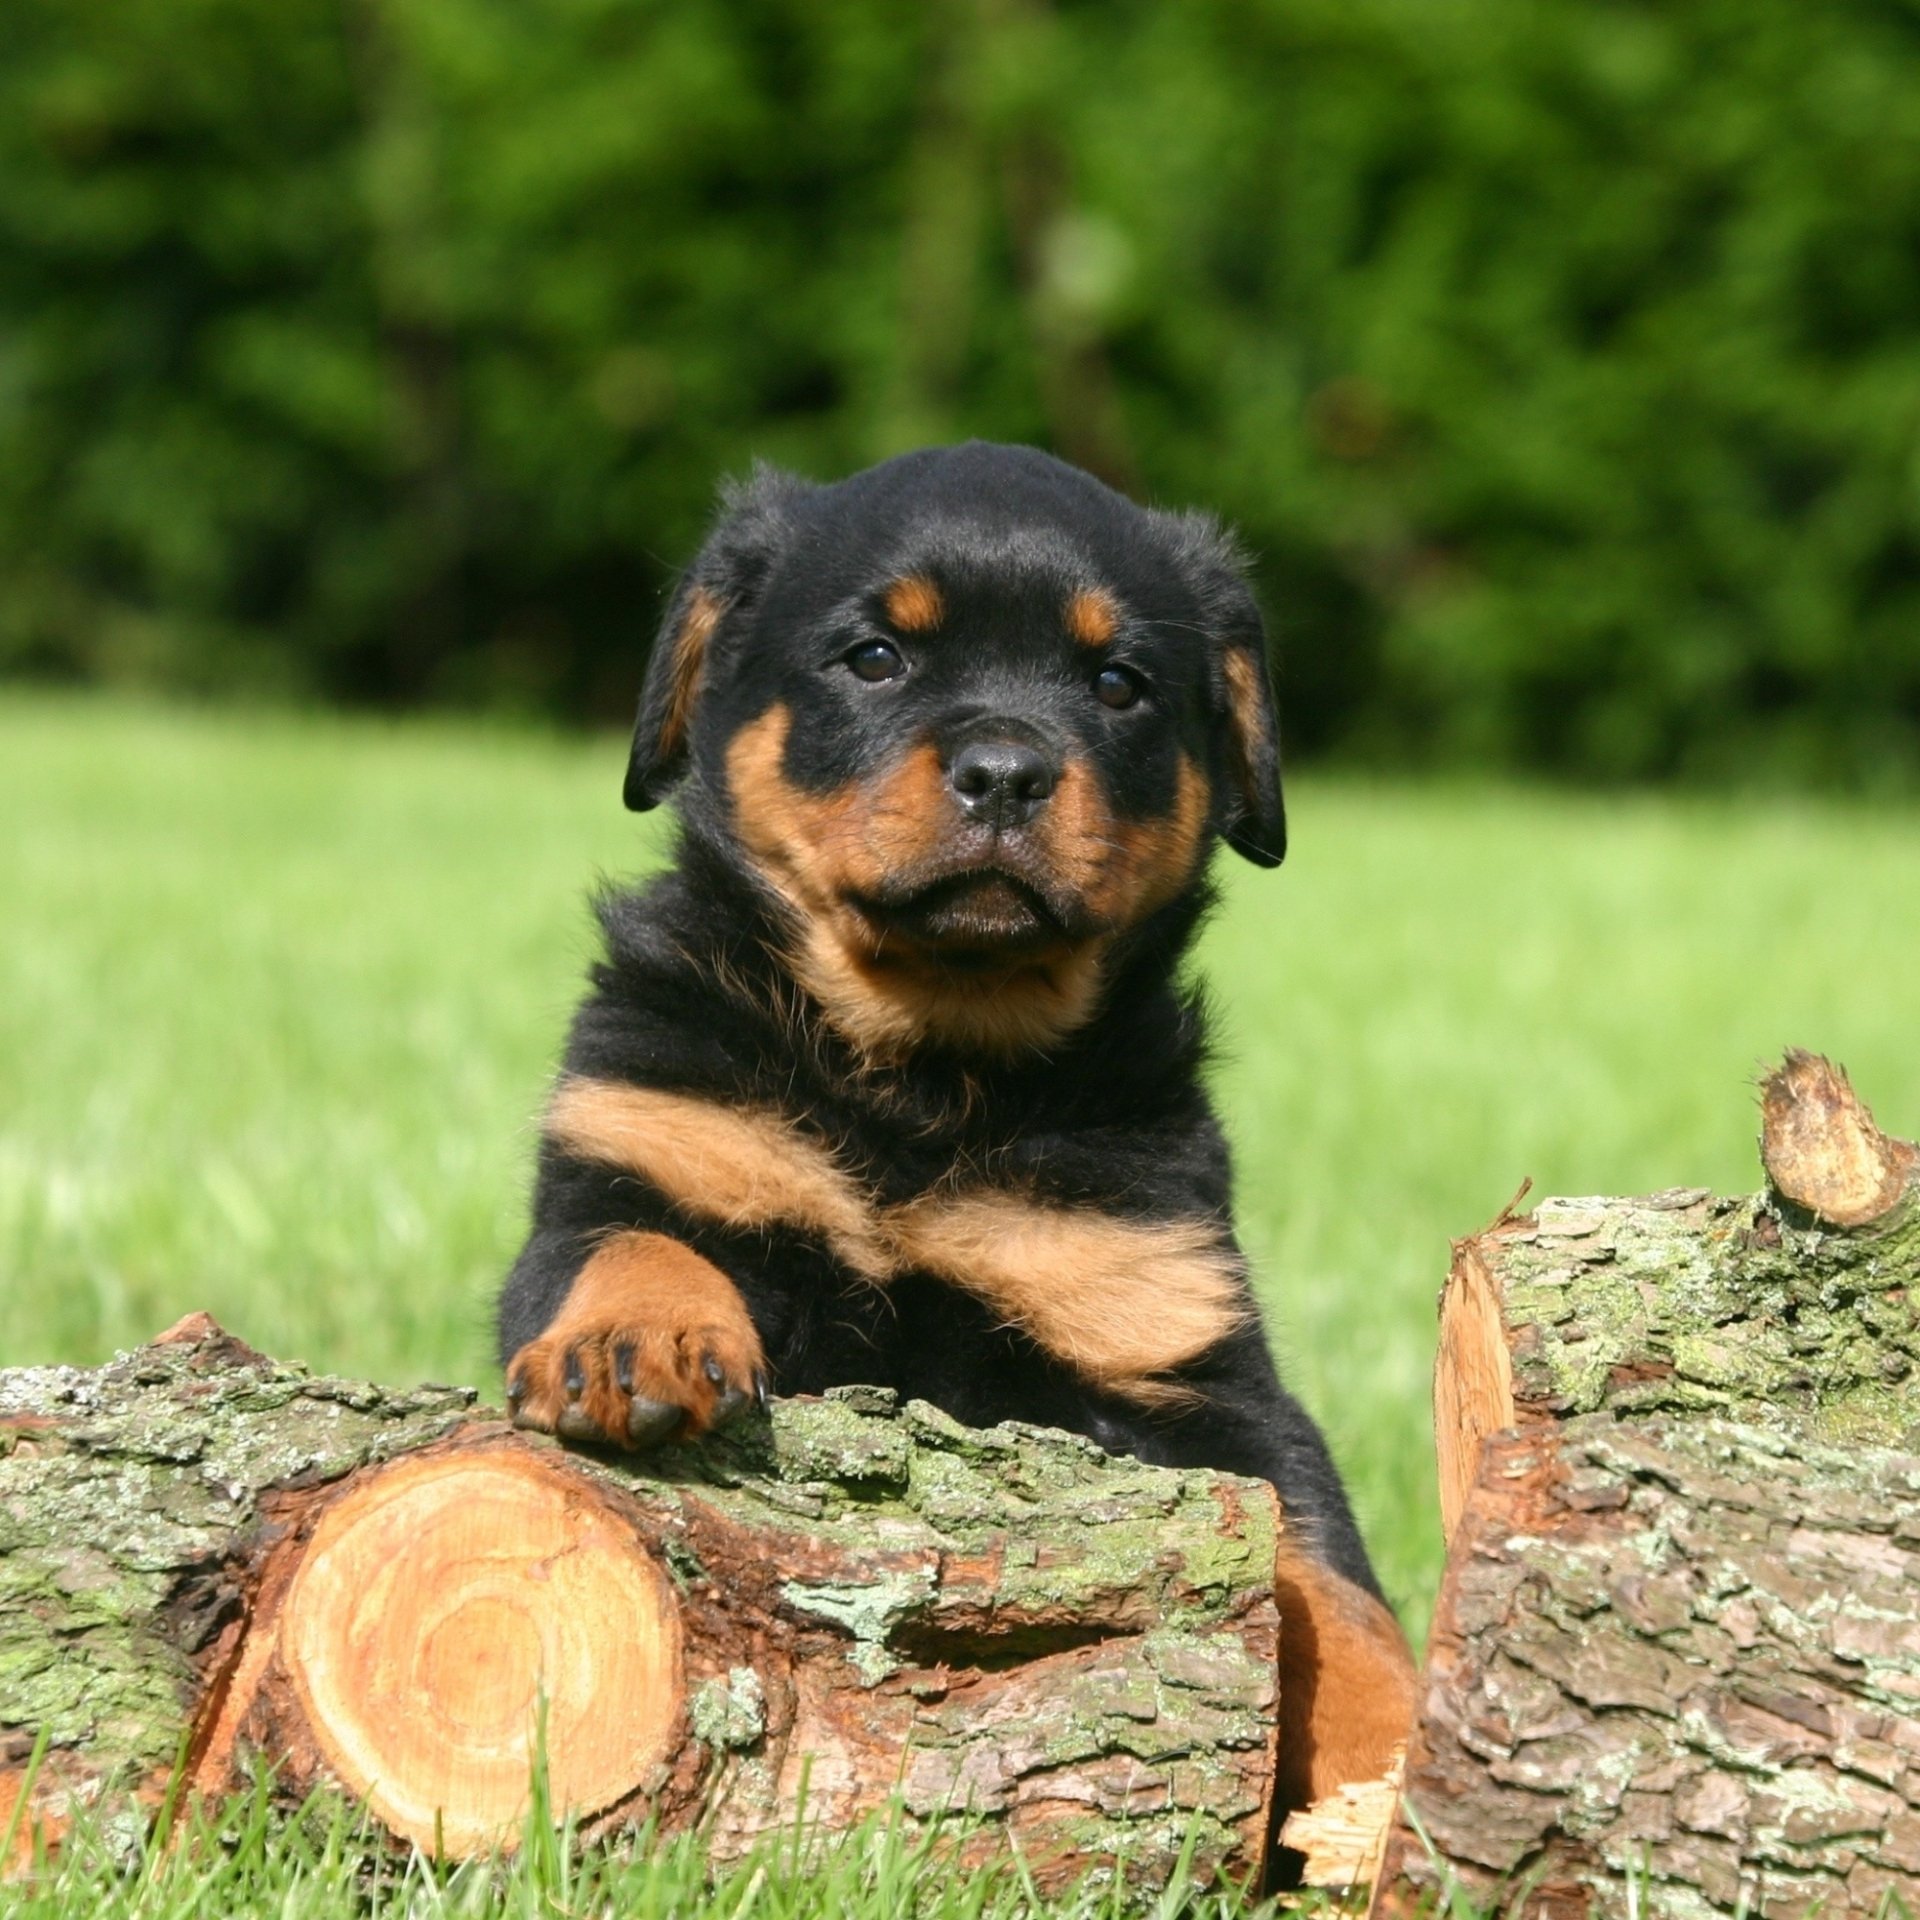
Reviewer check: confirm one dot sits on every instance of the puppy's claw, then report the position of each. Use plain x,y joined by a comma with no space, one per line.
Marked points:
518,1410
623,1367
575,1423
574,1373
715,1372
760,1390
649,1422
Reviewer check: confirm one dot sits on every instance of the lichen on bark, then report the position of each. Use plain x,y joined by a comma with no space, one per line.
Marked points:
1030,1620
1682,1302
1678,1643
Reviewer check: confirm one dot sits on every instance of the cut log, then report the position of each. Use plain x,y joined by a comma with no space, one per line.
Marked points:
1678,1640
206,1554
1685,1303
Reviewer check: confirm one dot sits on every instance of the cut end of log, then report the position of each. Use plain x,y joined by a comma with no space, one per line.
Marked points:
1472,1376
1343,1837
1821,1148
452,1606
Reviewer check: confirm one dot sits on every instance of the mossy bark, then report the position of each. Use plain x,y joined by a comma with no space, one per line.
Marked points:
1679,1651
1679,1635
870,1600
1687,1304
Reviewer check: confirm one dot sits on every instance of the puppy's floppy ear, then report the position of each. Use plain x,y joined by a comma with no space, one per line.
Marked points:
725,580
1256,818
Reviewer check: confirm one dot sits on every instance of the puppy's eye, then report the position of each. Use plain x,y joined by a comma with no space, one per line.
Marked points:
875,660
1118,686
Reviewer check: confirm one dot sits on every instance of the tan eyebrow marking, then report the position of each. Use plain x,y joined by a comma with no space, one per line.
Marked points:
1092,617
914,604
1121,1302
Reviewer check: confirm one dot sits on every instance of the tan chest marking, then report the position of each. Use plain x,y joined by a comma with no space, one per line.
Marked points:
743,1167
1121,1302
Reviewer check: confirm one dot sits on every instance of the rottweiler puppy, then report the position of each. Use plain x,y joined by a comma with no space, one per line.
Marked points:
892,1076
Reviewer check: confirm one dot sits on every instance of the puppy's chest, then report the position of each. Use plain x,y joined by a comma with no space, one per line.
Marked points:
1020,1225
917,1177
900,1157
1007,1260
930,1339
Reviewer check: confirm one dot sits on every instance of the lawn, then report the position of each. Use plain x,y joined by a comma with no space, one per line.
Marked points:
279,996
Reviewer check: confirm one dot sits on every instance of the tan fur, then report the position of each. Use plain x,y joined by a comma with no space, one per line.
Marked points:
1092,617
887,1010
1121,1302
1125,869
898,821
668,1310
1347,1680
815,848
914,604
1166,853
812,844
689,657
742,1167
1247,719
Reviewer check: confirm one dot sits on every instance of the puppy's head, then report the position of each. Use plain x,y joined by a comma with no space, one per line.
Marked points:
974,718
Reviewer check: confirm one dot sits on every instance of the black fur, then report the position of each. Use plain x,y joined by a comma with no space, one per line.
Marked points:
696,993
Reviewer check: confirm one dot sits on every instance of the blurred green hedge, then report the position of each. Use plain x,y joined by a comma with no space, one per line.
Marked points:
1560,361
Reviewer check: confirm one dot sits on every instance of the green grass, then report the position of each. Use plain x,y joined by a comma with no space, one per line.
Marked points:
252,1860
278,998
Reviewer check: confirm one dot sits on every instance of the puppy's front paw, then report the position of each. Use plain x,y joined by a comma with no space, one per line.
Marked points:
653,1344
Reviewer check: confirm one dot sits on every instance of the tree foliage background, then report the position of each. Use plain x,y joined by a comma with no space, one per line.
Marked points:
1559,359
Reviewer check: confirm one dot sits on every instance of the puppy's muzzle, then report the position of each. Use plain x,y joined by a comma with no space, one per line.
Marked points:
1003,779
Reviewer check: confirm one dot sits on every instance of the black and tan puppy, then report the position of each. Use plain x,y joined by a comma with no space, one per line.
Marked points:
891,1077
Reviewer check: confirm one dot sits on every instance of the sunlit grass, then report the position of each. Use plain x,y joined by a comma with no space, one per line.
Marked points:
249,1858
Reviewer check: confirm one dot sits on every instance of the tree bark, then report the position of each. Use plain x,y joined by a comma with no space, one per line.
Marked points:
207,1558
1678,1640
1797,1304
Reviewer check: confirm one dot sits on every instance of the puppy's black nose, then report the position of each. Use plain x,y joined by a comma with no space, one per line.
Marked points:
1001,783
